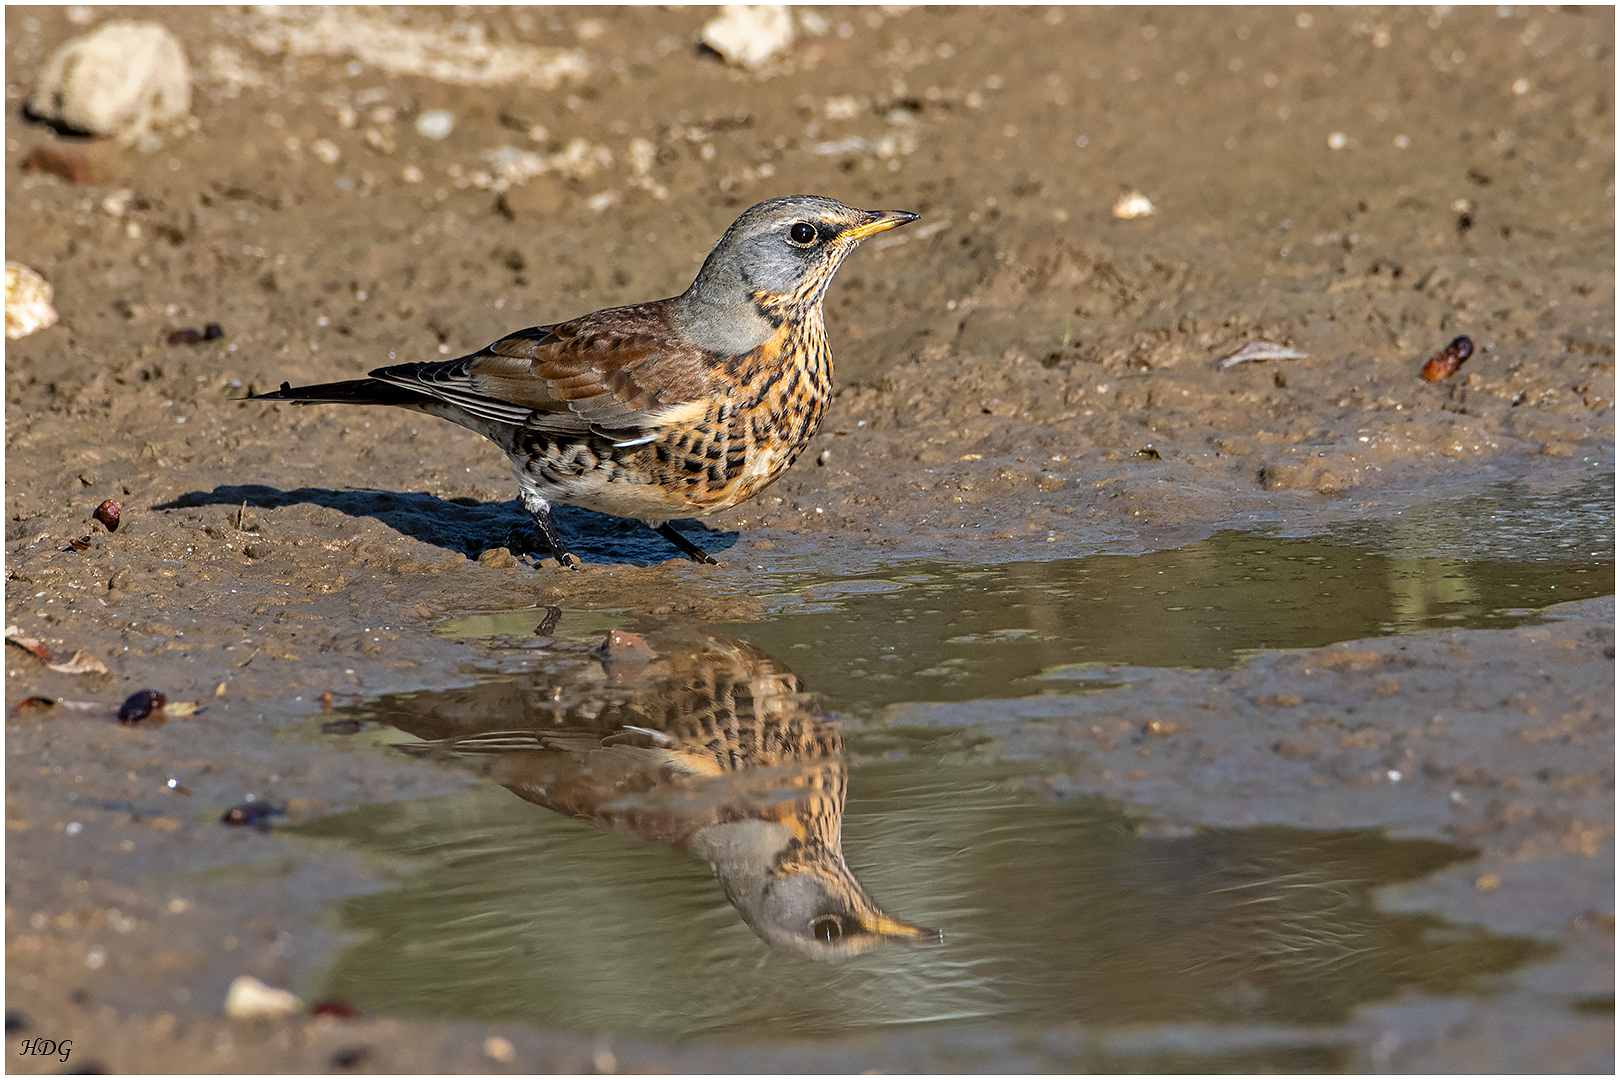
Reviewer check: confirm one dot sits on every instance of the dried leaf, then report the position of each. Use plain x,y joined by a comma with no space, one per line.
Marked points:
33,645
82,663
1258,350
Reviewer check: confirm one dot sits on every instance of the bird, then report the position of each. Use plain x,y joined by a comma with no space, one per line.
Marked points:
657,411
690,739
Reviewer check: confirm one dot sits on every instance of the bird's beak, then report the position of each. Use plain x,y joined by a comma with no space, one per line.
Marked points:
894,928
878,221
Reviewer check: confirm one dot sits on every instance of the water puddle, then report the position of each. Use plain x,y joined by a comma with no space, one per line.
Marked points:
663,797
930,631
1055,911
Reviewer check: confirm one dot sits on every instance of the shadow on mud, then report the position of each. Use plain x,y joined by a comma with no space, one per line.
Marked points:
471,527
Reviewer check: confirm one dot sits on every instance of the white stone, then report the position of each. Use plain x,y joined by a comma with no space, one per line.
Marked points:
750,35
249,997
124,79
435,124
28,301
1133,204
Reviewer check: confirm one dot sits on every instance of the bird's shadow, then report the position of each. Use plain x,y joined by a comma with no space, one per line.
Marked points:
471,527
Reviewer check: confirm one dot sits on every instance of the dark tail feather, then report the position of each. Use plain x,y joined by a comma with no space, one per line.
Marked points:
354,392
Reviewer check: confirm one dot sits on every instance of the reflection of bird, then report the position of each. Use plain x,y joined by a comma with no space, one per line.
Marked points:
657,411
716,750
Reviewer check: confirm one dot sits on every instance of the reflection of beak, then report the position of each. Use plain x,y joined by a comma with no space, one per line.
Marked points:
881,221
894,928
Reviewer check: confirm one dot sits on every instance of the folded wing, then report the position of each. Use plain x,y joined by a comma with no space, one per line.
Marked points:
594,374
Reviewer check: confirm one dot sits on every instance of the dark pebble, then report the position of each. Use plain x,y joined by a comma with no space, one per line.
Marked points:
139,705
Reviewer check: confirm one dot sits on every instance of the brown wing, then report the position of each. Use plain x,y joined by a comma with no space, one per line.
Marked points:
618,372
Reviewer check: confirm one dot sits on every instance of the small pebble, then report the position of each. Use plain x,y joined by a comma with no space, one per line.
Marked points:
1444,364
109,514
140,705
750,35
435,124
248,997
28,301
1133,204
79,543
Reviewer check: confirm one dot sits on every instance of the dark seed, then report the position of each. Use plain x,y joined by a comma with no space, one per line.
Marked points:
139,705
72,167
351,1058
33,705
211,331
108,513
252,813
1444,364
184,336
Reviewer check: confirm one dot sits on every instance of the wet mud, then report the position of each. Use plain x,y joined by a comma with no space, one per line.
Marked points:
1023,378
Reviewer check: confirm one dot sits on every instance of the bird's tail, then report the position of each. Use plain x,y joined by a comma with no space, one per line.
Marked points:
353,392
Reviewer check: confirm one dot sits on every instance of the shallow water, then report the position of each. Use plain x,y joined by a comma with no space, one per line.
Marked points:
929,631
1053,911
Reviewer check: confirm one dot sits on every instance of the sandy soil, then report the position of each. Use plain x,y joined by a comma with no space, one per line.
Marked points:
1022,375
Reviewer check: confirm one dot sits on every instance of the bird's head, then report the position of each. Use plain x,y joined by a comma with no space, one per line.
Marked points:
784,252
825,914
799,896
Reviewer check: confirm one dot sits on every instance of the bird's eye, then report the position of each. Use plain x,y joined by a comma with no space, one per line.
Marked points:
803,233
827,929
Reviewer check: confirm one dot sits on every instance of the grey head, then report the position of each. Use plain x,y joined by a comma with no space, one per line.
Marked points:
775,262
812,904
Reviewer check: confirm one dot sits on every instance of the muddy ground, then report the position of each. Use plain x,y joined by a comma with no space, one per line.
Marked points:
1021,375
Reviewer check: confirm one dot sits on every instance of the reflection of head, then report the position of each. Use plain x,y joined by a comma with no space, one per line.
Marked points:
693,740
816,907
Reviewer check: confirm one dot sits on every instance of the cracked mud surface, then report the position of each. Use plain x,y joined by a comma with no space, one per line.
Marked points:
1021,376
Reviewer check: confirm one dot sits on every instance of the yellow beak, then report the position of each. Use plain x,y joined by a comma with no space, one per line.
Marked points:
894,928
878,221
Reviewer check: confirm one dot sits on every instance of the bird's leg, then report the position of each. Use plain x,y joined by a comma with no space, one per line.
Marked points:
689,549
540,510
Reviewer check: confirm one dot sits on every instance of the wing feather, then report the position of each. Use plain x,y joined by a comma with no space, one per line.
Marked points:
619,373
